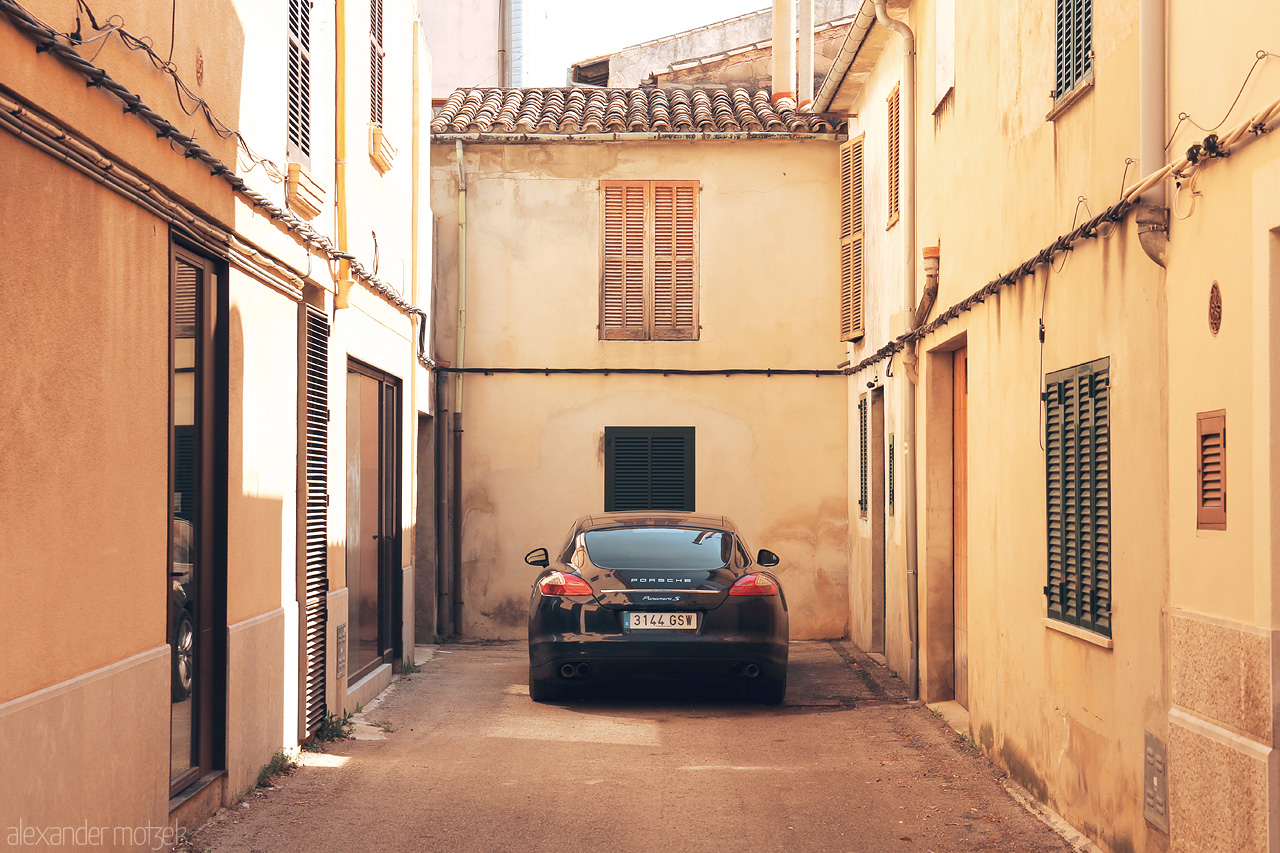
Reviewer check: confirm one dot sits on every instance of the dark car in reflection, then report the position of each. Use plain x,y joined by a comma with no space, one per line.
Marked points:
656,595
181,614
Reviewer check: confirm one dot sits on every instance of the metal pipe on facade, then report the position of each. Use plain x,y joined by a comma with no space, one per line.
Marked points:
908,207
844,59
804,61
784,49
345,282
1152,216
456,498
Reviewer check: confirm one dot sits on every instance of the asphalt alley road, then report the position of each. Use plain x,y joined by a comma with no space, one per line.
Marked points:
471,764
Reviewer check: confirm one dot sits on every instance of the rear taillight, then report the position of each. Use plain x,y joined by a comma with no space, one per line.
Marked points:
754,585
558,583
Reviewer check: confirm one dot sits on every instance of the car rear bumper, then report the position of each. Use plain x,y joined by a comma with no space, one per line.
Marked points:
630,659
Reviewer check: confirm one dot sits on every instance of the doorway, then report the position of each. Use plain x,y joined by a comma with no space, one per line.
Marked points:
878,498
373,519
196,584
960,519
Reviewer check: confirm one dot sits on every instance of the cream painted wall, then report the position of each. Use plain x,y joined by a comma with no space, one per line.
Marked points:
465,41
770,451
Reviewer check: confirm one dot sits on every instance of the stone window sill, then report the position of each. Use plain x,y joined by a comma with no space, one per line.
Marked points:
1079,633
1066,101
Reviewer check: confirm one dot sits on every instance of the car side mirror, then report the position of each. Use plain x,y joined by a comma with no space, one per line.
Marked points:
538,557
768,559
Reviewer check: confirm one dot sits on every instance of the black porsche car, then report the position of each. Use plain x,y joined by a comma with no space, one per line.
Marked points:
661,595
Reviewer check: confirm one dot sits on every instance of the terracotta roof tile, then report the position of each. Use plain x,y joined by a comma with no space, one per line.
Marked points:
571,111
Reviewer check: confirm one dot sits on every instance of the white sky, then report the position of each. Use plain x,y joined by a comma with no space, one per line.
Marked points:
559,33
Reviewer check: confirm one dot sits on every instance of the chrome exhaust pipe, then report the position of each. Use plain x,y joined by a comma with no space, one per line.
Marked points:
752,670
583,670
735,671
568,670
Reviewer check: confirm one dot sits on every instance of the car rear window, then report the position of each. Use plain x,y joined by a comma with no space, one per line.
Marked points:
659,548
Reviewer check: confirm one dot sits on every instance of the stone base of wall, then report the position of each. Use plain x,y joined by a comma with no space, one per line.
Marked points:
1224,772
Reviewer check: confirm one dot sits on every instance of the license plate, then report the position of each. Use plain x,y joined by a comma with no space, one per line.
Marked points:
636,621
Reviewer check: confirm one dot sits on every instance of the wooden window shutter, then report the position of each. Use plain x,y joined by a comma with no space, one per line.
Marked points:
1078,495
649,468
1211,470
851,240
895,154
675,260
299,100
622,279
649,260
376,54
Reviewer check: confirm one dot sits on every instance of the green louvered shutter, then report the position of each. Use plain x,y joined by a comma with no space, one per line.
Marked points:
1075,44
1078,491
648,468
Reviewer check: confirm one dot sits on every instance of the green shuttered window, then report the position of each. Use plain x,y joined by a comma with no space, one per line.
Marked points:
648,468
862,456
1075,44
1078,477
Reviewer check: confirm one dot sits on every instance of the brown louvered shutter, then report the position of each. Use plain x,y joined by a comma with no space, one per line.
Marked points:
851,240
675,261
1211,470
299,100
376,54
623,250
895,153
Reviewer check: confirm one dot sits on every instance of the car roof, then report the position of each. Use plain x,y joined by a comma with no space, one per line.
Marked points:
652,518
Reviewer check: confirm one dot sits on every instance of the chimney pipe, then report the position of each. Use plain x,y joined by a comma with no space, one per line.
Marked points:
784,49
804,63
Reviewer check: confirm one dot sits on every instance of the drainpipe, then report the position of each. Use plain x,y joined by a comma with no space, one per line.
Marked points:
1151,215
804,63
784,49
457,392
908,207
504,42
345,282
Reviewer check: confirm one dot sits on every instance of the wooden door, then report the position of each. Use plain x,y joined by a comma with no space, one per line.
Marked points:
960,520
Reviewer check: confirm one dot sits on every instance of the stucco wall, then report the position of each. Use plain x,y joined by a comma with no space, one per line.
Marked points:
770,451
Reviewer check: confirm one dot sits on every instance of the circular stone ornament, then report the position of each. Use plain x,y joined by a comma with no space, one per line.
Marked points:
1215,309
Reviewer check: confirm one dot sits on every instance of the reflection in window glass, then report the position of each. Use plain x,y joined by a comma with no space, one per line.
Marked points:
658,548
184,522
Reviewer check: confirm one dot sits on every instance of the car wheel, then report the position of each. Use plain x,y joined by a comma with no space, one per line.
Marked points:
770,691
183,657
542,690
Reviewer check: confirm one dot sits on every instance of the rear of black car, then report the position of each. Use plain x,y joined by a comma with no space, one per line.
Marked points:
645,596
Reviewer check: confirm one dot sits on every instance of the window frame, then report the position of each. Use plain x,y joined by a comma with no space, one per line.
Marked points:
619,308
1073,49
1078,532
